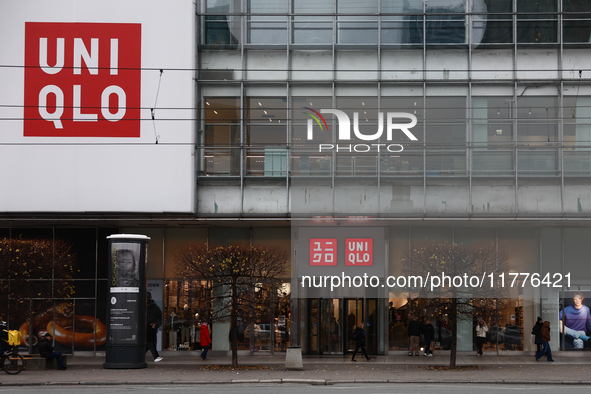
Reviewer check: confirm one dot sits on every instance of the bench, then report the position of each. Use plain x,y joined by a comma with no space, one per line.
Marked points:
34,362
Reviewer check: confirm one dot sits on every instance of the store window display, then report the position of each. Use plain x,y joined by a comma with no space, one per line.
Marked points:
185,308
575,322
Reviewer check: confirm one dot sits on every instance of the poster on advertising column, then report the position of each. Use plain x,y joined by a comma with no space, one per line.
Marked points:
124,293
126,329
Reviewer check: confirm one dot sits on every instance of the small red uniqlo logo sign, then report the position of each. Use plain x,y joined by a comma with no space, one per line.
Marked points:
82,79
323,251
359,251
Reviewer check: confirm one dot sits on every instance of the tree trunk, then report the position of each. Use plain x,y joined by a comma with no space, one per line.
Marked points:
453,321
234,326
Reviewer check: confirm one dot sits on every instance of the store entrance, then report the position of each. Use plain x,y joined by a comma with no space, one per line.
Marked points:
331,322
325,326
362,310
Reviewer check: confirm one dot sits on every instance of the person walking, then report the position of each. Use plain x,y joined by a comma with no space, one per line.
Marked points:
537,332
154,321
481,330
414,336
545,333
205,340
429,336
359,338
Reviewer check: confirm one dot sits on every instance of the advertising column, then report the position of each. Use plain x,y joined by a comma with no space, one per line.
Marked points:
126,313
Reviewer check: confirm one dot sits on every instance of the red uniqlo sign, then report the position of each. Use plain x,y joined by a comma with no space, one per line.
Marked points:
358,251
82,79
323,251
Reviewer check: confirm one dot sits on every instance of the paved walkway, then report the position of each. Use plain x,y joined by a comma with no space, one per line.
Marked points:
569,368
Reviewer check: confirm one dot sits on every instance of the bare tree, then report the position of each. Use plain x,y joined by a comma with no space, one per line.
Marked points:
235,274
478,266
33,269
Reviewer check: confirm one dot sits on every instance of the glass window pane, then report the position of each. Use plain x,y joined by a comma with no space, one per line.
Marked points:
312,32
539,31
222,29
267,6
411,105
402,7
266,133
222,161
539,162
222,136
357,32
266,110
312,7
406,163
498,20
492,163
576,21
301,114
491,121
357,7
356,165
222,6
267,30
441,114
222,110
536,119
395,30
536,21
498,31
445,163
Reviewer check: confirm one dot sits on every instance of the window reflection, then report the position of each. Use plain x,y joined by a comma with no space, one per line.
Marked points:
576,21
409,23
222,136
537,21
266,136
222,30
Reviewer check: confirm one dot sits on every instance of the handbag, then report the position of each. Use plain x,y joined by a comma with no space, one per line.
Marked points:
432,346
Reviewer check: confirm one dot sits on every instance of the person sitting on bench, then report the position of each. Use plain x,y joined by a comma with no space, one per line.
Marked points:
46,350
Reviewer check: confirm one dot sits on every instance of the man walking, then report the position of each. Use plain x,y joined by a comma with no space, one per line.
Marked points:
359,338
429,337
154,320
545,343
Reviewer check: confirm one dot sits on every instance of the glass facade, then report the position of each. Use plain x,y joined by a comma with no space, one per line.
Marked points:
499,109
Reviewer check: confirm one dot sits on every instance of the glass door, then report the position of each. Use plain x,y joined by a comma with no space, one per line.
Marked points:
364,311
354,312
371,326
313,318
331,333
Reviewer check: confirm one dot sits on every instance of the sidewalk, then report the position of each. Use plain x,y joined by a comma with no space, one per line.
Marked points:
265,369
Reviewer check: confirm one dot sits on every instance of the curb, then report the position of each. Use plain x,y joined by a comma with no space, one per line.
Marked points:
316,382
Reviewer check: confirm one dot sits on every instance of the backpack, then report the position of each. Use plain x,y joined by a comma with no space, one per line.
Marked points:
14,337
